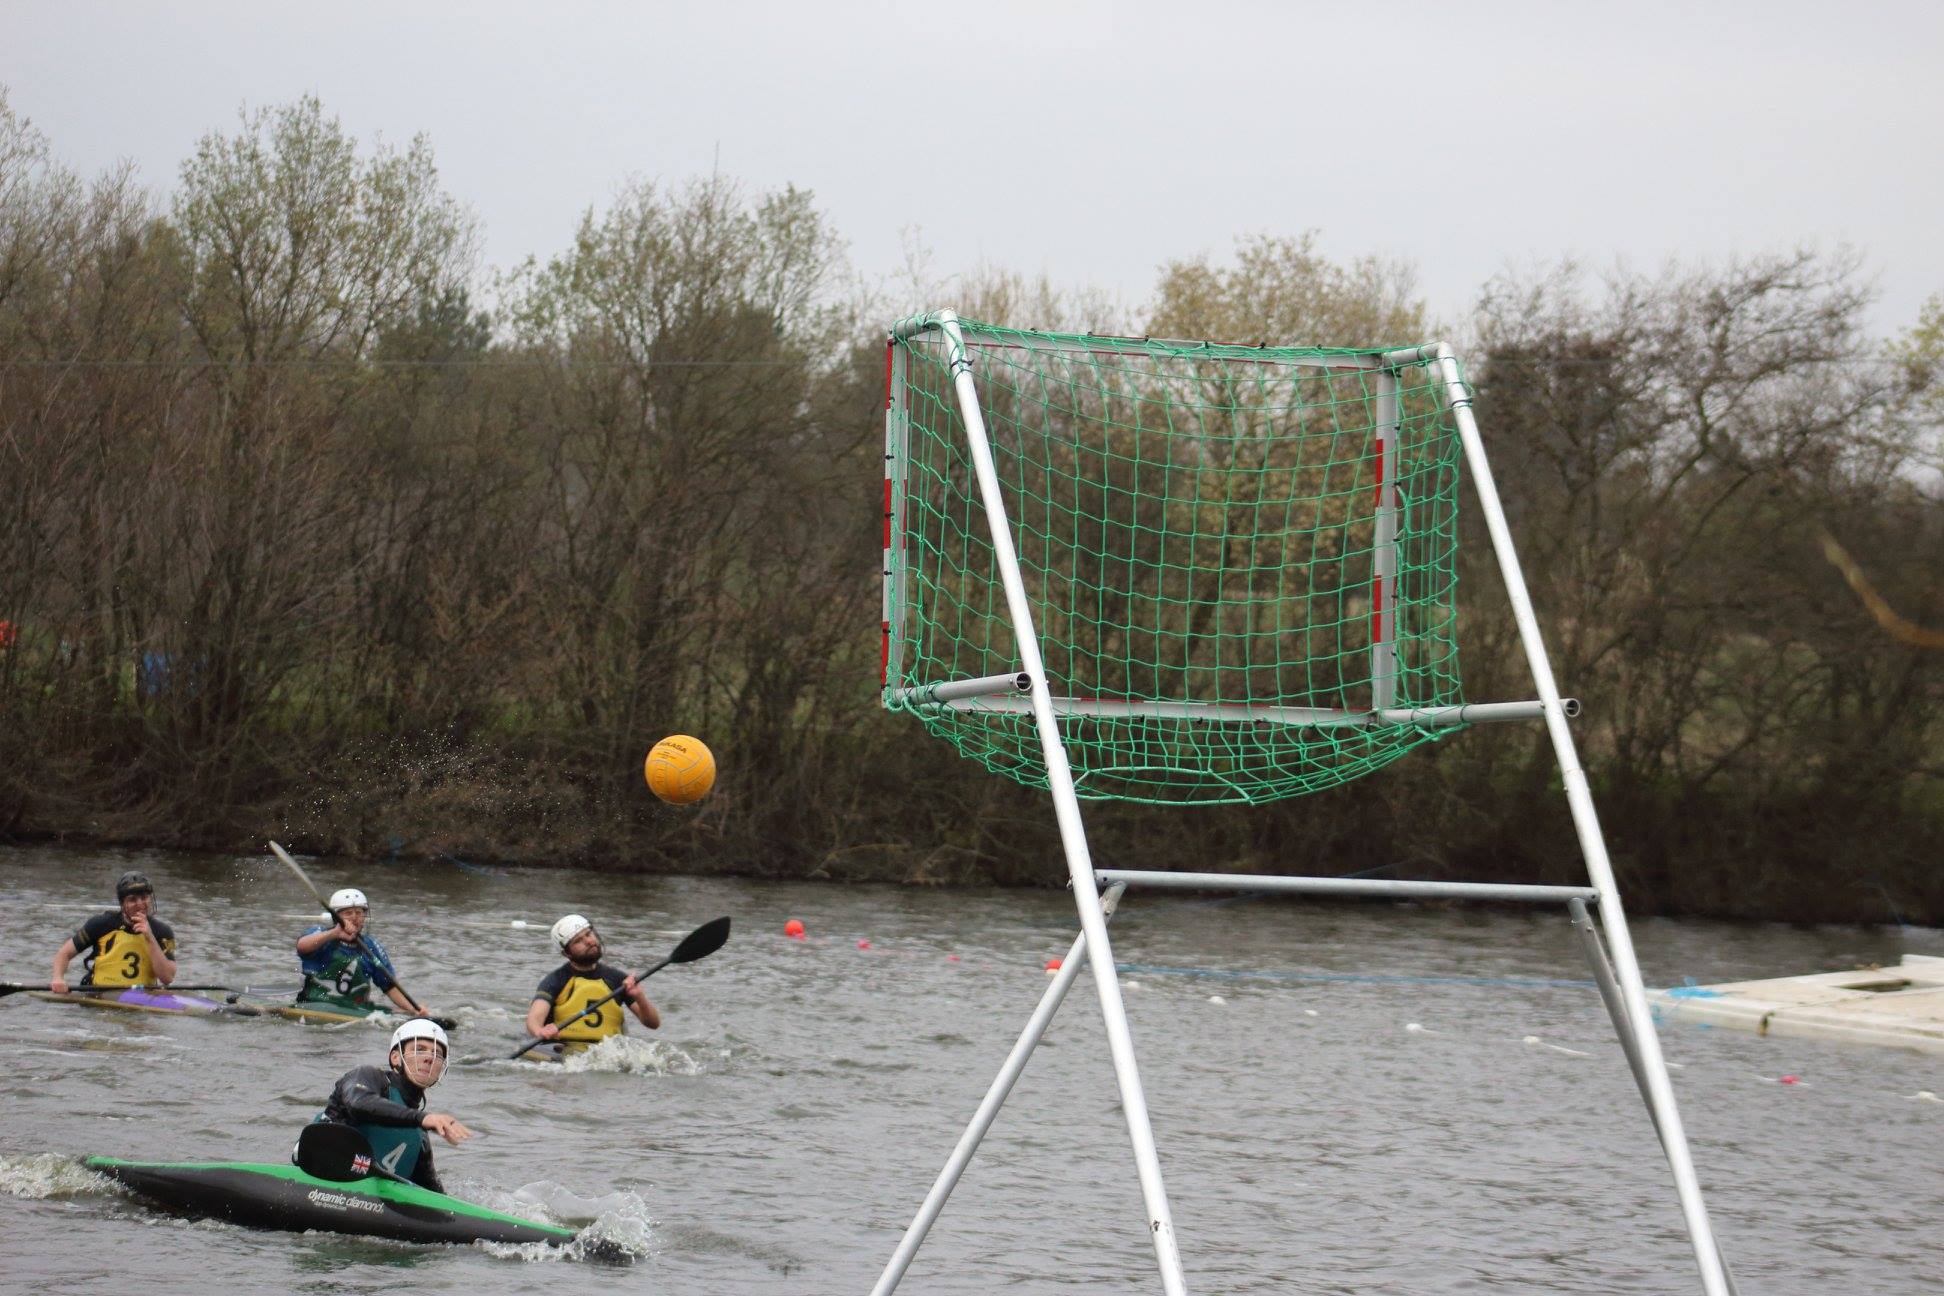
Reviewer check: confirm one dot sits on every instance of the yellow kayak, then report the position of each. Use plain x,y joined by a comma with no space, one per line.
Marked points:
306,1012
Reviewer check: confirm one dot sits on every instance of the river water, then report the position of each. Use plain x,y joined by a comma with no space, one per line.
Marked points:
1384,1099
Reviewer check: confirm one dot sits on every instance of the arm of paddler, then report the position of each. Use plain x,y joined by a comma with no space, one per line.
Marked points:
161,961
644,1007
312,941
57,979
536,1019
360,1095
378,965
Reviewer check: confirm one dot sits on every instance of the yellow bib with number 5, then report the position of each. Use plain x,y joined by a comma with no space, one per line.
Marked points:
604,1021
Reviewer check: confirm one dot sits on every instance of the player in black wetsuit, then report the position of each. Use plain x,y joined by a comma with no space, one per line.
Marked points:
388,1106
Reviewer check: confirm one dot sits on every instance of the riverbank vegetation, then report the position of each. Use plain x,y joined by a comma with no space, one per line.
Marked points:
313,527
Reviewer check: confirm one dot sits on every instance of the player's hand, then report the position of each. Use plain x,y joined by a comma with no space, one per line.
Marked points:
57,985
446,1127
139,924
344,932
549,1031
628,985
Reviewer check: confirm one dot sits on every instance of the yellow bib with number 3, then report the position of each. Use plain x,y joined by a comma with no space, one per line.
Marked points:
121,958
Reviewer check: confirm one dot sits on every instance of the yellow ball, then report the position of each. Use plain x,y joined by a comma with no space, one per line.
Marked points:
680,770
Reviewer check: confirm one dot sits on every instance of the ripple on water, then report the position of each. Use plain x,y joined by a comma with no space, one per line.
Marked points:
700,1240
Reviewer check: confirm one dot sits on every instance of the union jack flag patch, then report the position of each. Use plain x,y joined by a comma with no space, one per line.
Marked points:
360,1163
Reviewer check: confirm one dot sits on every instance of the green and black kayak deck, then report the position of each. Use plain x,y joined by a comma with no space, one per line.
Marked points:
284,1197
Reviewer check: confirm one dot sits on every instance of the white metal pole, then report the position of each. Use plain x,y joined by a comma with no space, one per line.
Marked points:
897,438
1066,809
1383,558
1586,823
1002,1085
1623,1027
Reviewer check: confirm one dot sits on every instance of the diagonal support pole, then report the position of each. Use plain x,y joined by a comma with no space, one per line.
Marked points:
1586,821
1066,811
1002,1085
1616,1006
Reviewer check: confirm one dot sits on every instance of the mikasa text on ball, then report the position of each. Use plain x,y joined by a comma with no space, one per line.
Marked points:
680,769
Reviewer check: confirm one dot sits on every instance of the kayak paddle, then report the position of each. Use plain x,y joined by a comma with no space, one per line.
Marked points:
9,988
363,948
700,943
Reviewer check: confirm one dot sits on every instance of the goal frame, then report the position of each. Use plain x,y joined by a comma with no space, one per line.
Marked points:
1607,944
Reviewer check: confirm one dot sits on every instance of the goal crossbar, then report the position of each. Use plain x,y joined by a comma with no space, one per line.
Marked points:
1011,694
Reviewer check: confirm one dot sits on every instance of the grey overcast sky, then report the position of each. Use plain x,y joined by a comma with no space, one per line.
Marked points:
1087,139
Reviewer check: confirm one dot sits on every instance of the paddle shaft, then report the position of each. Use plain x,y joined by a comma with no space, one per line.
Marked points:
598,1003
9,988
359,940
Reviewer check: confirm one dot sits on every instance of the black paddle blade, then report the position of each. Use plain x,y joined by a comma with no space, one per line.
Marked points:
332,1151
702,942
339,1153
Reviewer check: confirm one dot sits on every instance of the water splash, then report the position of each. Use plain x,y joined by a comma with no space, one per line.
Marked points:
614,1229
49,1174
626,1055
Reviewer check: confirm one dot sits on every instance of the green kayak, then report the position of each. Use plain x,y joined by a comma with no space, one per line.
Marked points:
284,1197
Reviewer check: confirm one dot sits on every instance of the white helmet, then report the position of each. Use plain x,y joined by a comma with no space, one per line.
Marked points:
567,928
421,1028
349,898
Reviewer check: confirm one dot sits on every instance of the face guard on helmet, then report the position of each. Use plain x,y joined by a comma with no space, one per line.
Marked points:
418,1049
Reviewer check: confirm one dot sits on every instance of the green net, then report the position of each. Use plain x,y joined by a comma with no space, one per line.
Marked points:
1240,560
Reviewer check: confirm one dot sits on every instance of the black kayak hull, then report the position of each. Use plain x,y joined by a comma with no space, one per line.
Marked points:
284,1197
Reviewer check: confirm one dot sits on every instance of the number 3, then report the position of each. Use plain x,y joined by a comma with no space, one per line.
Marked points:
134,958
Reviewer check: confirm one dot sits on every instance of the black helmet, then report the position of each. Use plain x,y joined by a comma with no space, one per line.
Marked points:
133,884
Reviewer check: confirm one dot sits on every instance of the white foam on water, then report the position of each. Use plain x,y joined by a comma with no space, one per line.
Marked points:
613,1229
468,1014
627,1055
49,1174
